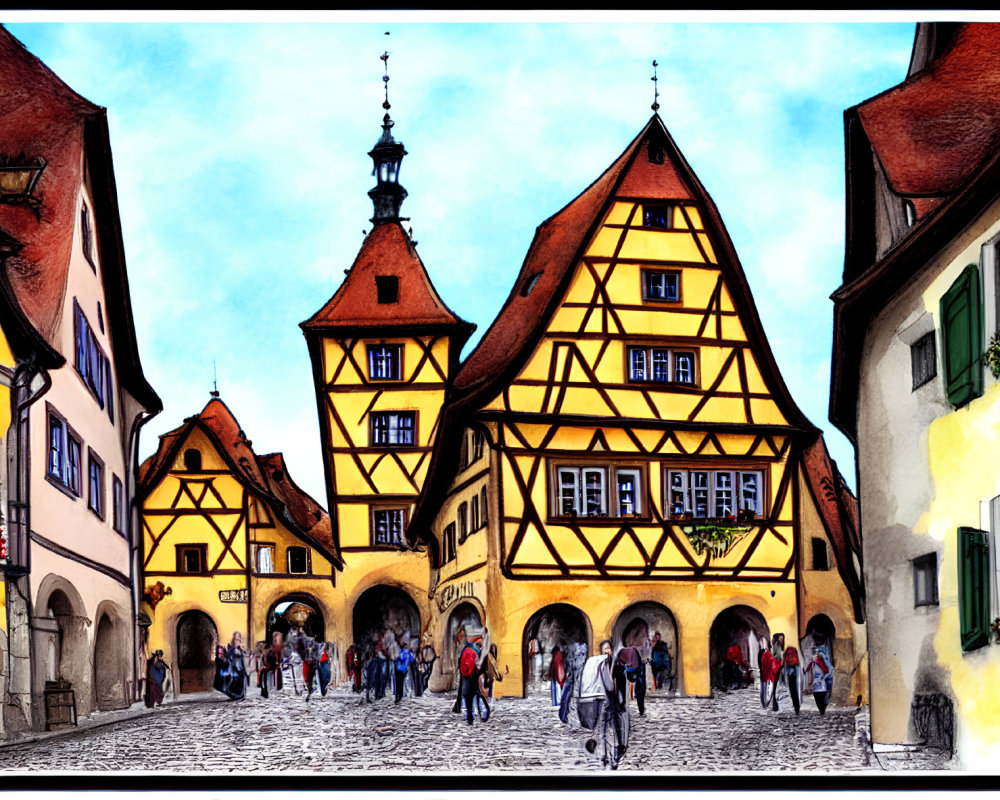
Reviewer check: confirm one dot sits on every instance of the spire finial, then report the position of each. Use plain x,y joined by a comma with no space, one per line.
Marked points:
215,380
656,90
385,78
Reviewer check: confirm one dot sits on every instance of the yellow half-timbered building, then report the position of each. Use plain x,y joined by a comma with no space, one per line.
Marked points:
621,456
230,544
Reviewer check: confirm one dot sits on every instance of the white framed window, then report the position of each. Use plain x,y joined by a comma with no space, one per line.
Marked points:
598,491
264,559
659,285
661,365
704,494
385,362
628,487
393,427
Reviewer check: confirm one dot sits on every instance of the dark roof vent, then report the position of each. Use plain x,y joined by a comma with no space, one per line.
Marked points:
387,288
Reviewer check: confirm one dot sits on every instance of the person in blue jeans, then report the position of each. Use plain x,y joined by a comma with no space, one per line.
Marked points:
468,668
557,674
402,667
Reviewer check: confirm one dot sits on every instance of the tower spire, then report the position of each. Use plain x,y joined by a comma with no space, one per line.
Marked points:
387,155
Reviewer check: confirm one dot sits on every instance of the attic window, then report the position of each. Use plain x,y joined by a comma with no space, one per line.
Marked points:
18,177
654,151
529,284
658,217
192,460
387,288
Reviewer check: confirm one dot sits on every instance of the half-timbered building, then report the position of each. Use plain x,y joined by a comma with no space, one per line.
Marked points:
79,399
620,454
230,545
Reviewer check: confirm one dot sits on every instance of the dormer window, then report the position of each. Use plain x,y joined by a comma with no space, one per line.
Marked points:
387,288
18,177
661,217
87,234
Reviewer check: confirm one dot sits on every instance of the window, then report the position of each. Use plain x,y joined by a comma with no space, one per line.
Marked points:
87,235
298,560
658,217
719,494
91,363
192,460
64,454
117,504
477,445
530,284
962,338
474,526
484,506
925,582
584,492
923,360
449,543
463,522
820,561
658,285
973,588
387,288
264,559
95,483
393,427
388,527
191,558
385,362
661,365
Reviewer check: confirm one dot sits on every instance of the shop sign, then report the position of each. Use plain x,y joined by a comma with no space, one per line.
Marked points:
233,595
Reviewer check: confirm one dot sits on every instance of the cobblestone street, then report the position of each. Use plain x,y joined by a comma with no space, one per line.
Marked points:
340,732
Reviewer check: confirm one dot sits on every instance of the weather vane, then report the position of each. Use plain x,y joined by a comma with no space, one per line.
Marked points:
656,90
385,77
215,380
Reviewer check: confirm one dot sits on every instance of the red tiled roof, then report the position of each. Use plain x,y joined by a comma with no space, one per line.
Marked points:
266,476
932,131
553,253
838,508
386,251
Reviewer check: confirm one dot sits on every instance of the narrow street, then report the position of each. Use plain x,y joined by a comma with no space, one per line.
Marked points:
341,733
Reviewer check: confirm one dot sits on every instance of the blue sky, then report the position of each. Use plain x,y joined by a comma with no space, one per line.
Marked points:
240,154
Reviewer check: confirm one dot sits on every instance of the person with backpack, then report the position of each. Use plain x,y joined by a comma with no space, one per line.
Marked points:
403,662
574,669
793,677
821,673
599,700
468,669
661,661
630,668
557,674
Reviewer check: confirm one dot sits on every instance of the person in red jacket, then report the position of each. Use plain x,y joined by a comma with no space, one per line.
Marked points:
557,674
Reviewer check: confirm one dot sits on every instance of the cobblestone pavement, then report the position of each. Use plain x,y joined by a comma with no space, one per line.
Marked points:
340,732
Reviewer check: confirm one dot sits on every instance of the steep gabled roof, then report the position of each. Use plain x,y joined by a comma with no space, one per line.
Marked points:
266,476
40,116
386,252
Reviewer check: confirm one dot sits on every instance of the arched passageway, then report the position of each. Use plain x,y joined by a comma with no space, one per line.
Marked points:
382,607
300,612
637,625
464,617
737,625
197,638
820,632
559,625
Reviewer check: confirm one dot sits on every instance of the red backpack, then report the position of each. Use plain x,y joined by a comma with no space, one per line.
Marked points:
467,664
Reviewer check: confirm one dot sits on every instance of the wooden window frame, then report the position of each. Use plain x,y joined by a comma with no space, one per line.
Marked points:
94,460
463,522
650,352
93,367
118,505
372,416
484,504
448,544
373,538
474,523
372,349
68,481
924,565
923,360
691,475
647,296
202,550
609,470
257,548
647,208
288,560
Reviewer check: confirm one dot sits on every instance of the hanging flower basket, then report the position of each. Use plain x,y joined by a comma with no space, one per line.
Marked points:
992,355
716,539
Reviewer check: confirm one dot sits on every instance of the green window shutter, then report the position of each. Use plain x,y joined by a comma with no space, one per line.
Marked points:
962,334
973,588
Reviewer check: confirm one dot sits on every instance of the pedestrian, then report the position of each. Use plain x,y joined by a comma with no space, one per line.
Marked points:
427,658
793,677
460,645
354,667
402,664
156,676
599,696
323,664
489,673
820,672
630,668
557,674
536,657
575,662
236,656
661,661
780,693
270,669
469,676
373,677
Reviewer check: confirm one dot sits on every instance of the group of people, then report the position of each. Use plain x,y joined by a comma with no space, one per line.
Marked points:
390,661
783,676
478,671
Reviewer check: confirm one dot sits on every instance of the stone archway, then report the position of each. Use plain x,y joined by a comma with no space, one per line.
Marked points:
110,658
635,627
381,607
296,611
465,616
557,624
62,643
197,638
737,625
820,632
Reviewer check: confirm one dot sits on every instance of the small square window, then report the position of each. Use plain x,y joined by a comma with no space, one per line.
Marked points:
191,559
923,360
385,362
388,527
659,285
925,580
393,428
387,288
298,560
658,217
820,558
